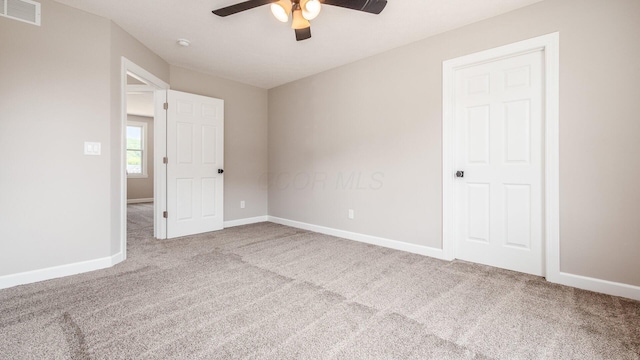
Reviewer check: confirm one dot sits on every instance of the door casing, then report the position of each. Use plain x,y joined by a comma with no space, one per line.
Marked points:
549,45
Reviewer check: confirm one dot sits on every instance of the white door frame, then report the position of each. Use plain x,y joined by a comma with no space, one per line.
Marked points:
160,144
549,45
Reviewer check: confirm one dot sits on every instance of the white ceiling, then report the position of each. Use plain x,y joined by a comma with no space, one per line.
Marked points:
254,48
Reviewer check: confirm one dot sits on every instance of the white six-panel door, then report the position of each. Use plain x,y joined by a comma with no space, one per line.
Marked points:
195,146
499,146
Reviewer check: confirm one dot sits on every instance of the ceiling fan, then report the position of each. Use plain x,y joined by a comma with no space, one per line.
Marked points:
302,11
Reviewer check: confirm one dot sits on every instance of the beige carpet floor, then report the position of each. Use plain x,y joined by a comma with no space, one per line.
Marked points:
267,291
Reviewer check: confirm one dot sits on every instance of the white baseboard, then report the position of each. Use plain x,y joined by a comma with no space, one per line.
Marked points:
597,285
54,272
138,201
577,281
246,221
374,240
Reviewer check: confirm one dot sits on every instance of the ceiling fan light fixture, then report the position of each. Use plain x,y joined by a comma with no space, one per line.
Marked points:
301,11
281,10
299,22
311,9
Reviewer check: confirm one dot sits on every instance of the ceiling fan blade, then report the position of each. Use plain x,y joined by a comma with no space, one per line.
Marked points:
370,6
303,34
247,5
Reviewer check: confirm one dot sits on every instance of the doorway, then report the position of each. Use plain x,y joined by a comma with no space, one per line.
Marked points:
500,157
138,82
139,148
188,157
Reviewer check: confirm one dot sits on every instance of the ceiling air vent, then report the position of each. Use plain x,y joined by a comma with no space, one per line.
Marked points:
23,10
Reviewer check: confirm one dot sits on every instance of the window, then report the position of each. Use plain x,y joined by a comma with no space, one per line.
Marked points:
136,149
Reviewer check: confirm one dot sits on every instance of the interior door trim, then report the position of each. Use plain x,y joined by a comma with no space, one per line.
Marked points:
549,45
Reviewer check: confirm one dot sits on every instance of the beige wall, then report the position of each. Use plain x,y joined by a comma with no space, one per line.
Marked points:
380,119
245,139
142,188
54,96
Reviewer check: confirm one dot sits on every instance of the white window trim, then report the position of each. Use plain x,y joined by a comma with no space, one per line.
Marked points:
145,157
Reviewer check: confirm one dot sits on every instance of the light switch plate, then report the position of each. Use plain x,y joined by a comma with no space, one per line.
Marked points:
91,148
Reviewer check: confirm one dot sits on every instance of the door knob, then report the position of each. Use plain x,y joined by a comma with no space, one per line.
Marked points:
220,171
459,174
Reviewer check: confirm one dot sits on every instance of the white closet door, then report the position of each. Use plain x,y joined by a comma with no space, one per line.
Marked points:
499,146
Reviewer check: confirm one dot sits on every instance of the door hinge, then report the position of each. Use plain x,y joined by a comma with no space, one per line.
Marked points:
165,160
165,214
166,106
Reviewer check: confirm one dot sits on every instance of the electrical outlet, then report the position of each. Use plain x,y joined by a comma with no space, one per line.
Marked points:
351,214
242,204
